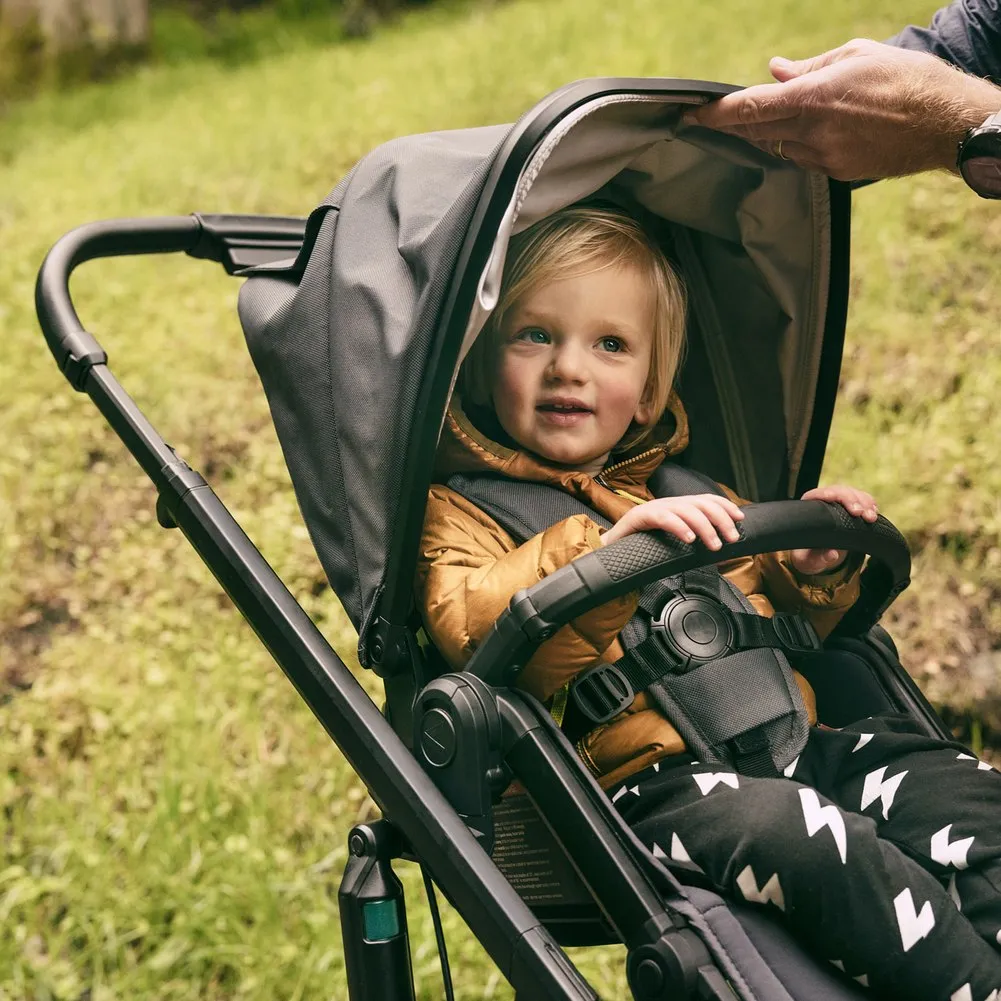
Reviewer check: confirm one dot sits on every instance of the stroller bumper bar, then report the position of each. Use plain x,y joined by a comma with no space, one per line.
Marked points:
629,564
234,241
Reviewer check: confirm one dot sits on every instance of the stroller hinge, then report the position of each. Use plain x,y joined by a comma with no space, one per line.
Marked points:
457,739
374,917
177,480
677,965
390,648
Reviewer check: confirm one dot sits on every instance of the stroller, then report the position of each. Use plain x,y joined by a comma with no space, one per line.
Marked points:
357,319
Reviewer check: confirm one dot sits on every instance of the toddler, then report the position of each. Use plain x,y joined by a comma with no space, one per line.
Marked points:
879,845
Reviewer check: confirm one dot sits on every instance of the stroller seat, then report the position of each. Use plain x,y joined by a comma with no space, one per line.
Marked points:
855,679
397,270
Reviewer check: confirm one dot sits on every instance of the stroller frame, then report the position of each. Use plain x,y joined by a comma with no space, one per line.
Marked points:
428,826
444,822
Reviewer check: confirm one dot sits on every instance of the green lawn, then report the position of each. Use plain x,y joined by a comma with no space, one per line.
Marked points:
174,819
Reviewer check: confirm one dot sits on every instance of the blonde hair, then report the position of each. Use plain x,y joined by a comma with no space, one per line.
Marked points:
576,241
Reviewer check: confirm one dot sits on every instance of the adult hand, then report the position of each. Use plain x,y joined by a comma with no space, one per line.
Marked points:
863,110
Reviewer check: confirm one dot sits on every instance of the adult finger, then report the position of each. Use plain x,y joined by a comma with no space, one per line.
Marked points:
788,69
799,153
764,102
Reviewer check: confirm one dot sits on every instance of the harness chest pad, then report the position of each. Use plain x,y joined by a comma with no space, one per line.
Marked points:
707,661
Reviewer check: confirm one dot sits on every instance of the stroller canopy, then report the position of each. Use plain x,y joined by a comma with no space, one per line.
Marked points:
358,340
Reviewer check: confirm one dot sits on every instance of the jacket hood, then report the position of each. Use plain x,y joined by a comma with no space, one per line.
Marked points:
472,441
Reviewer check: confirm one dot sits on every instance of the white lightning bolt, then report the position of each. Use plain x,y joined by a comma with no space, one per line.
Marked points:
954,892
863,739
981,765
950,853
875,788
771,891
680,853
707,781
913,926
635,790
817,816
965,993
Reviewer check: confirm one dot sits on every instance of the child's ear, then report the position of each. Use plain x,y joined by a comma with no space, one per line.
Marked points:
644,412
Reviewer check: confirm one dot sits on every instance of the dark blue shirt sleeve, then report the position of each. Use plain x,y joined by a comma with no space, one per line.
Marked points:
967,33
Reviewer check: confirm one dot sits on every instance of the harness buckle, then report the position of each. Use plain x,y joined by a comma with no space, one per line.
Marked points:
602,692
796,633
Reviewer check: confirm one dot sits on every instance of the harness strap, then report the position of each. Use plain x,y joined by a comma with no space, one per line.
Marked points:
695,647
605,690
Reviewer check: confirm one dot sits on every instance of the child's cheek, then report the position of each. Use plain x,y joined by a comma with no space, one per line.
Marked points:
512,390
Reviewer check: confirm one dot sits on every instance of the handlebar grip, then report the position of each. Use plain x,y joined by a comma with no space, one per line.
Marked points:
75,350
232,240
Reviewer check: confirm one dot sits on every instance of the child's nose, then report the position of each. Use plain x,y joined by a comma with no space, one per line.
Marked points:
568,363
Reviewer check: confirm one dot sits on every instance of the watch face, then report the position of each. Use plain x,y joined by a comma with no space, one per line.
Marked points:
983,174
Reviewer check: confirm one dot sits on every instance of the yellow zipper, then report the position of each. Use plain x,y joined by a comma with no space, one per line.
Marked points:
626,462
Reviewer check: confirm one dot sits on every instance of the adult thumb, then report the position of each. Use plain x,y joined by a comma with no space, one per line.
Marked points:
788,69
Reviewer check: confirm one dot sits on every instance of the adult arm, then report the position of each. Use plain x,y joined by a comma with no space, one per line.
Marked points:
966,33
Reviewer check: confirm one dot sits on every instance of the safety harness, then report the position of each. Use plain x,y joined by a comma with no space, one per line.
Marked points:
714,667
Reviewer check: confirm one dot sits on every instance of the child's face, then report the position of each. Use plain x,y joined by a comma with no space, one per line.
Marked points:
573,365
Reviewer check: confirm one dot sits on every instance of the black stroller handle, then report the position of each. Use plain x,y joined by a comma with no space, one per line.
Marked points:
234,241
631,563
525,952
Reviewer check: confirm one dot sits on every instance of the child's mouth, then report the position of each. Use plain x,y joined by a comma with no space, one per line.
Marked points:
563,413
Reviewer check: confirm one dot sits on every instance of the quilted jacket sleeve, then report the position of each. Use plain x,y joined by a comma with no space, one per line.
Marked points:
469,569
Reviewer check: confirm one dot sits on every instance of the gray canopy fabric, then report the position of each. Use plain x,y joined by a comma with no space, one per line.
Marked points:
347,337
339,347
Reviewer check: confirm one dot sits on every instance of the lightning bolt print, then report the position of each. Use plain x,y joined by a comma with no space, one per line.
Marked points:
635,790
679,853
913,926
965,993
954,892
863,739
771,892
707,781
875,788
981,765
817,817
950,853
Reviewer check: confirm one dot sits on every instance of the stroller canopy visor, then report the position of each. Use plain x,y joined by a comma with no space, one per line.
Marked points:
358,340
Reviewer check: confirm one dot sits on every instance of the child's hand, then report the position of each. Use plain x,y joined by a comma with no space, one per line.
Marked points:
706,516
855,502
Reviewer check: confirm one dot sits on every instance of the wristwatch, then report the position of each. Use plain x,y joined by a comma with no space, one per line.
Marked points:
979,158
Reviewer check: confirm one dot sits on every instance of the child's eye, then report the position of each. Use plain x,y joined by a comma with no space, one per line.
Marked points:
534,335
610,344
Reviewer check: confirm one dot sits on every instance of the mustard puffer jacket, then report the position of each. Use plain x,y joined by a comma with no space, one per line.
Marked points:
469,568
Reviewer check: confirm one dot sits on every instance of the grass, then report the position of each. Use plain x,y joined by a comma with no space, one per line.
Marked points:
174,820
